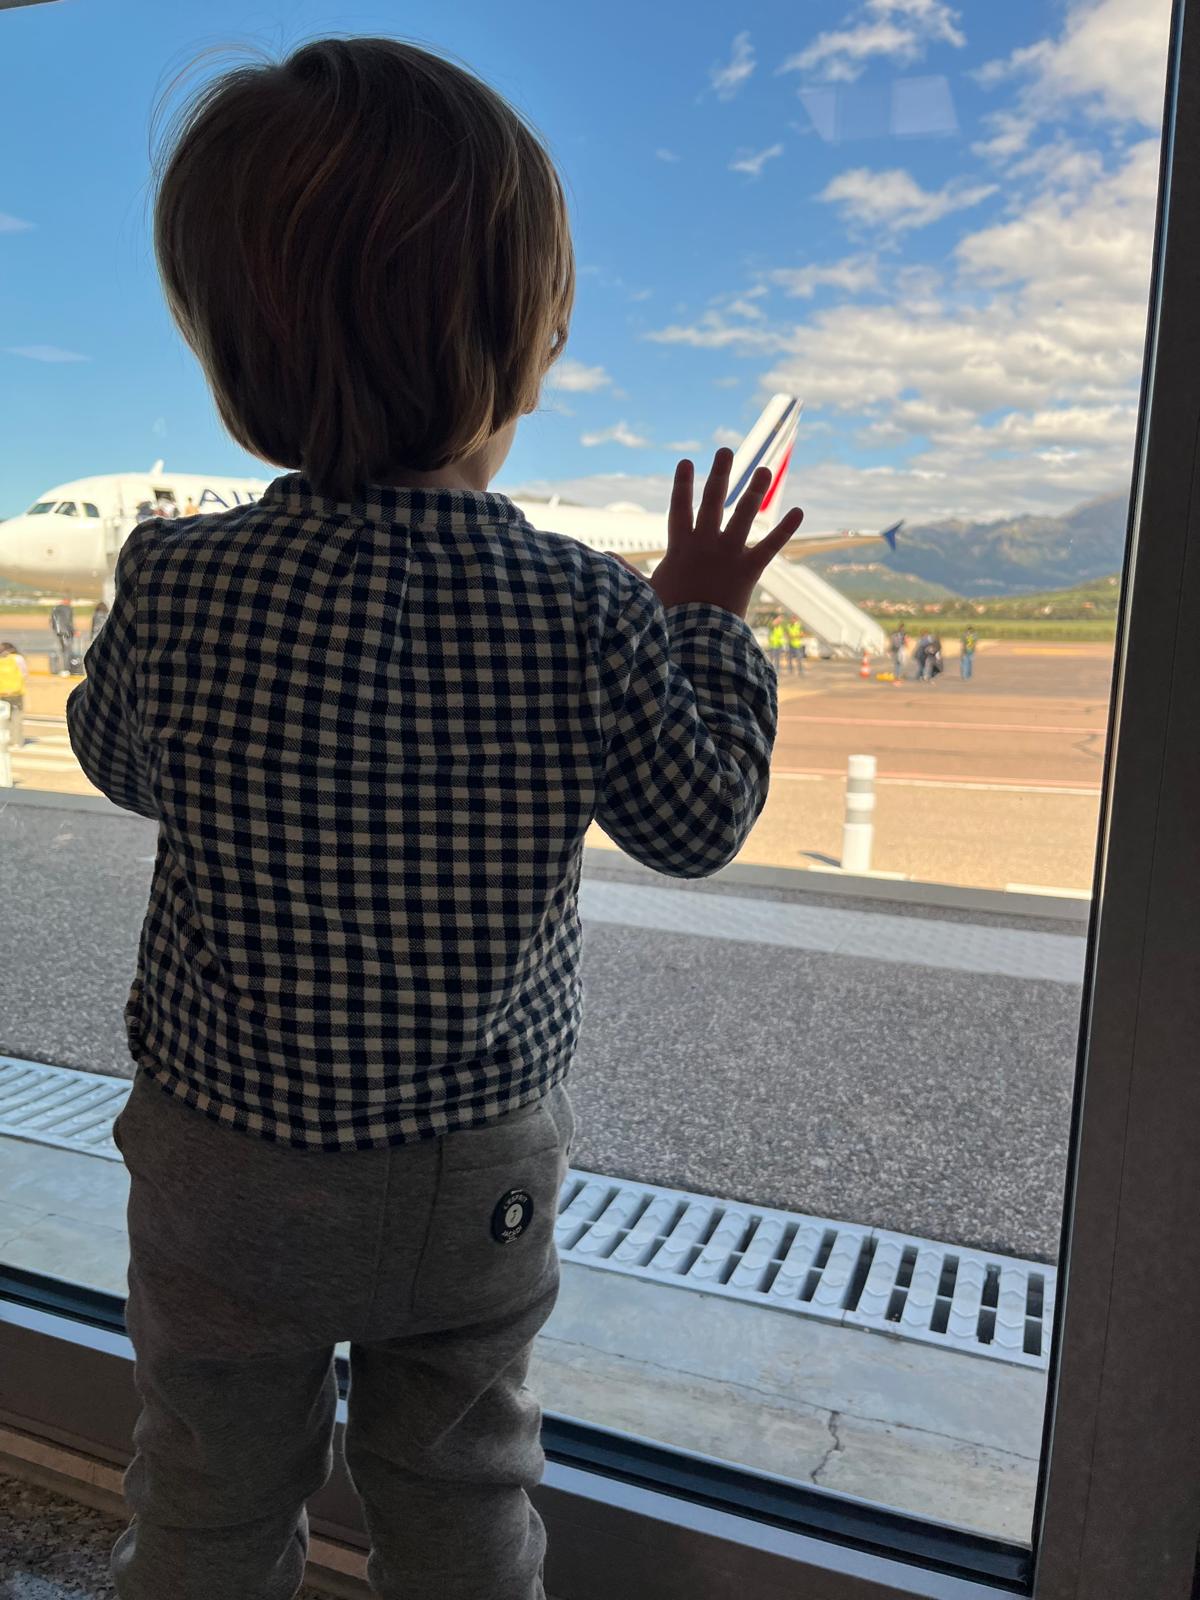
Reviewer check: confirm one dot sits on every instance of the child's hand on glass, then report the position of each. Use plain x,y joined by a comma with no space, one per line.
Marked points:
707,563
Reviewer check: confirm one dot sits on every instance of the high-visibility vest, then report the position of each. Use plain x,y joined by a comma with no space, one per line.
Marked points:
778,636
12,680
795,635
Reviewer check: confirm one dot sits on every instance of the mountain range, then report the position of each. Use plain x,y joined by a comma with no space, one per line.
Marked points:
1016,555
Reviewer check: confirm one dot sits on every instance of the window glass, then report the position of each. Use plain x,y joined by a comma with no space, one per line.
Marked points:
40,508
67,508
89,510
900,254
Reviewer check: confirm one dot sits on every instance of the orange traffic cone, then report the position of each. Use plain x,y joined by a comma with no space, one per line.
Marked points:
864,670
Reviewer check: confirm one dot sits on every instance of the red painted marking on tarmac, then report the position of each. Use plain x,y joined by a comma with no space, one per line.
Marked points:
975,727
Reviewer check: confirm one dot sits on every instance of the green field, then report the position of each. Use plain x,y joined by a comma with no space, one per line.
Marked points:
1087,611
1045,630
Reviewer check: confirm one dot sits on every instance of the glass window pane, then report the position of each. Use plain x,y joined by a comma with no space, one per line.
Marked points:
810,1222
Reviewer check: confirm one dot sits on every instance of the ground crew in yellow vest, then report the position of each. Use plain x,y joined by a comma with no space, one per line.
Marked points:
778,643
12,692
795,640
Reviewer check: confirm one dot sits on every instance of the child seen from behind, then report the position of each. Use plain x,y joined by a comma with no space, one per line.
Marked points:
373,716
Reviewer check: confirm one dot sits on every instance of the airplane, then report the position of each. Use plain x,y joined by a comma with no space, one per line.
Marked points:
68,540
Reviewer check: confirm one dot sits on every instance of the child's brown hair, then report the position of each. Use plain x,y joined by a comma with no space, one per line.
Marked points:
368,250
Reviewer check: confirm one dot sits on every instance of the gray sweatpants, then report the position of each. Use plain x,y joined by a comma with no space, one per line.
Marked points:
248,1262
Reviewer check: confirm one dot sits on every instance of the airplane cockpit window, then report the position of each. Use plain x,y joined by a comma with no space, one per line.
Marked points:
89,510
40,508
67,508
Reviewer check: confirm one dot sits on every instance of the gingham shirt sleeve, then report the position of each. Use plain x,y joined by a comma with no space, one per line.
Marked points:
693,713
102,710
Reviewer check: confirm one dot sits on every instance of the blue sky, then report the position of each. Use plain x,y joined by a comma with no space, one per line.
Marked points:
932,221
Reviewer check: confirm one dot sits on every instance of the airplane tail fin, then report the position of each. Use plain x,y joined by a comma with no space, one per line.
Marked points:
890,534
768,444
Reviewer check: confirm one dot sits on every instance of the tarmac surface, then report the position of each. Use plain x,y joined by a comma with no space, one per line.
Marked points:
988,784
886,1092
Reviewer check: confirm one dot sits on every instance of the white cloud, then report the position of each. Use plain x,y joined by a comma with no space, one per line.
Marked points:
711,332
45,352
727,80
751,162
744,306
683,444
651,490
853,273
896,30
1071,246
726,383
1111,56
620,433
727,436
1010,133
895,200
13,224
577,378
1004,381
664,154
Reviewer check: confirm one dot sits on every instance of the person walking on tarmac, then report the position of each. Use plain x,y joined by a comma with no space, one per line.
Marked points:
795,640
62,624
898,643
777,643
924,658
99,618
12,691
966,659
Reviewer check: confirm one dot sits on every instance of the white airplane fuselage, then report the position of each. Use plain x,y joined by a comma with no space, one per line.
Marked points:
74,550
68,539
71,545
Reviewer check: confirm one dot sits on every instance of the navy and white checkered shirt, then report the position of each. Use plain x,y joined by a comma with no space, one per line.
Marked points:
373,735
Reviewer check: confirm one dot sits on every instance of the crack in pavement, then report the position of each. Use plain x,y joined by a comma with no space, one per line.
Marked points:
815,1475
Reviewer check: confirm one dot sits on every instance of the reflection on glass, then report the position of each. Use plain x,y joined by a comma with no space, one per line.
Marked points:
813,1216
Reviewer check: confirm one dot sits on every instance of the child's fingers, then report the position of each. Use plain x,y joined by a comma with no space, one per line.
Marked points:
712,501
769,547
748,506
679,516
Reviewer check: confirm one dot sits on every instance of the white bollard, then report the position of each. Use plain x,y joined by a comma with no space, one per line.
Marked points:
858,832
5,759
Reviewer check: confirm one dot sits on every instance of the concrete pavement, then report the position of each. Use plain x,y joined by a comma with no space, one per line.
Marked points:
880,1091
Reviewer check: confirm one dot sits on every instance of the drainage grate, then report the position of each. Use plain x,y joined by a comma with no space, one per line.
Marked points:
60,1106
982,1303
985,1304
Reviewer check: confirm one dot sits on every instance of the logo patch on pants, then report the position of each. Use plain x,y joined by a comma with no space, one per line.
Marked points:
512,1215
